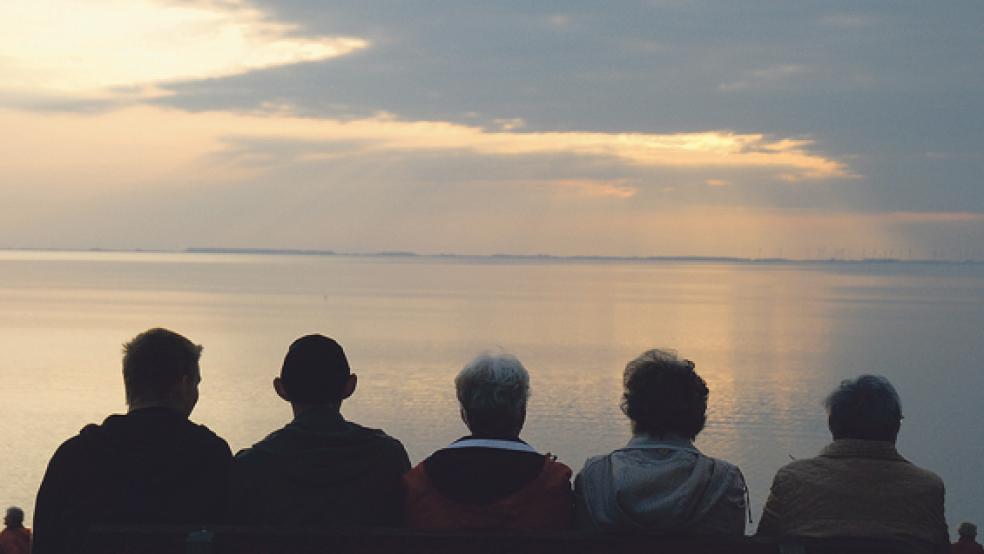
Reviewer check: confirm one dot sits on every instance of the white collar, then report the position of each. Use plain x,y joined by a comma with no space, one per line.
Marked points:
492,443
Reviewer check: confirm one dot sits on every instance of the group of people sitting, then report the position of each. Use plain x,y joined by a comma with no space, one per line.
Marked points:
152,465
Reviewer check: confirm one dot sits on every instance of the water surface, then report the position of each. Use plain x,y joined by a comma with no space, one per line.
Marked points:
770,339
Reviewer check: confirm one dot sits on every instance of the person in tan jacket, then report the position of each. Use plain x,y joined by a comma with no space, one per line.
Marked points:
859,485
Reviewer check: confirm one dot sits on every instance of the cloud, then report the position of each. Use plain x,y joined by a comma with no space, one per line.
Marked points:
767,77
510,124
145,143
932,217
560,21
121,48
592,189
153,177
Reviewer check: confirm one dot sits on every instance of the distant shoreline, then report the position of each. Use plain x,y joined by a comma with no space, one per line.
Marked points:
499,256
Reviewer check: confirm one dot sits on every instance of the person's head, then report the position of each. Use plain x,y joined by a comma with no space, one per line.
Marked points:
664,396
866,408
160,368
492,391
14,517
967,530
315,373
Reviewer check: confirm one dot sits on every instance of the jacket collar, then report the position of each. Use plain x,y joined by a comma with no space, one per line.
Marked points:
673,442
856,448
498,444
321,417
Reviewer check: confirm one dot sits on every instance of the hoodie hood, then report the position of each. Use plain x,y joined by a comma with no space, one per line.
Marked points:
657,484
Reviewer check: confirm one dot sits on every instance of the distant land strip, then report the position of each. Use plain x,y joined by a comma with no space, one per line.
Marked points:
574,258
501,256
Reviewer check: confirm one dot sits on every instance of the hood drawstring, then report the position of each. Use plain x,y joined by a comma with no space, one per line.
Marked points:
748,505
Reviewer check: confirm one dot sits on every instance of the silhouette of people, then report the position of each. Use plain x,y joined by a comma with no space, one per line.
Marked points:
660,481
859,485
15,538
150,466
491,478
320,469
967,541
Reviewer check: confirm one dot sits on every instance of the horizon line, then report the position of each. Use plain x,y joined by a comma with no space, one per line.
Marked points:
498,255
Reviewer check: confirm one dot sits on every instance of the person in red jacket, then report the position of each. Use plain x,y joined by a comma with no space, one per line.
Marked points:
491,478
15,538
967,543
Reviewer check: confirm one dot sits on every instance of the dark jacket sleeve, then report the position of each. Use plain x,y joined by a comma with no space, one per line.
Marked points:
214,485
56,529
246,477
394,516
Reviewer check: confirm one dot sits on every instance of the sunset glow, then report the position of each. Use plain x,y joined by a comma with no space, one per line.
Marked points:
316,119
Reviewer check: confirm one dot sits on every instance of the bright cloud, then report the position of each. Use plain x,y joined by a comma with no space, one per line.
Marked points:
589,188
86,47
145,143
184,165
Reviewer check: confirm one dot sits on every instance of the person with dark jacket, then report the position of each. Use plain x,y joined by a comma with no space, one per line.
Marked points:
150,466
491,478
320,469
660,481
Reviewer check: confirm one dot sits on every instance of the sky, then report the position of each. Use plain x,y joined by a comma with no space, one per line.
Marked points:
808,129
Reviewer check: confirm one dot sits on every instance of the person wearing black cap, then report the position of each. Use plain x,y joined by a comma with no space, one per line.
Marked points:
320,469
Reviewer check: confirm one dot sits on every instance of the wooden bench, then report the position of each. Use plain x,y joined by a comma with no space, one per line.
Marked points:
281,540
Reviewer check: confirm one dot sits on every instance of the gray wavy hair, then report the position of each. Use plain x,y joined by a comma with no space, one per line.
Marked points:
866,408
493,390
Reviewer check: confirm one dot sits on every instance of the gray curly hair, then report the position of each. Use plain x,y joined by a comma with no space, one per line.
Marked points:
493,390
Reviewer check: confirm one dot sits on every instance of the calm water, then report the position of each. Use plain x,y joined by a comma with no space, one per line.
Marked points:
770,339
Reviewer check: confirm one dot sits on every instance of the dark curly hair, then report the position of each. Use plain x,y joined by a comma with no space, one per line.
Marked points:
664,395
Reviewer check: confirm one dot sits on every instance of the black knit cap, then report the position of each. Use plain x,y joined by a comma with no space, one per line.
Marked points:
315,370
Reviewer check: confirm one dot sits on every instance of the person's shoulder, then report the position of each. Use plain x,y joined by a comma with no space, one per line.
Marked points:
261,450
727,470
208,439
927,477
594,461
382,438
86,438
798,470
557,468
593,465
722,464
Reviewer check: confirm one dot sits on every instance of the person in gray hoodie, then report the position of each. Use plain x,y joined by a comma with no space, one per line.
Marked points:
661,482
